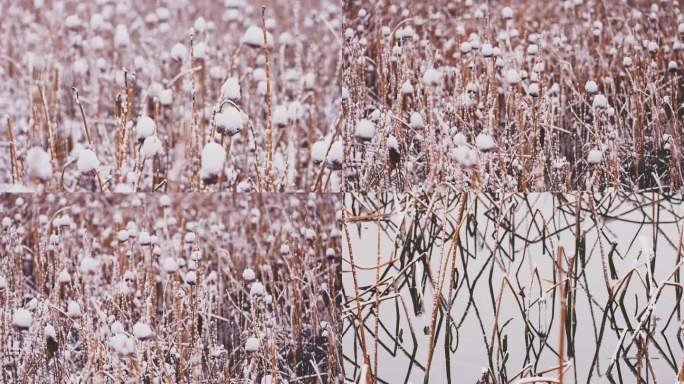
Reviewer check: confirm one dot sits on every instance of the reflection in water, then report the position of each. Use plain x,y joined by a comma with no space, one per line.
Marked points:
500,313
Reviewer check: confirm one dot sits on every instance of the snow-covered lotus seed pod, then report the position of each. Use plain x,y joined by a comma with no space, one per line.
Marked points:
365,130
144,128
22,319
252,344
39,164
230,121
142,331
179,52
432,77
485,142
212,159
591,87
248,274
231,89
87,161
151,147
254,37
594,156
335,156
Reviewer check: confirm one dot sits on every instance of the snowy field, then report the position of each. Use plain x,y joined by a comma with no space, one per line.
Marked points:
524,95
500,312
262,192
181,288
170,95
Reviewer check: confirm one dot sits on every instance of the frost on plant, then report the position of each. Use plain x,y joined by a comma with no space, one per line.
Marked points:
124,96
214,288
515,96
513,288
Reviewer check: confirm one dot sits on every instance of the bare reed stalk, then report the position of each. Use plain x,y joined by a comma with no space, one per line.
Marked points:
563,310
359,309
442,273
86,131
13,152
46,115
270,185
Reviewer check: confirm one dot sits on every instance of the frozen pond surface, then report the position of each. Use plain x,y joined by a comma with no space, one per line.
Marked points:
523,250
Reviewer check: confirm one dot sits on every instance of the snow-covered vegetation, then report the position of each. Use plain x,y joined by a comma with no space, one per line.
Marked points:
153,288
513,288
513,95
125,95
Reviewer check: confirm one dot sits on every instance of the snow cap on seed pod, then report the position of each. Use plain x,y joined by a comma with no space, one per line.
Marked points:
231,89
365,130
512,76
179,52
594,156
64,277
151,147
88,265
87,161
254,37
38,163
142,331
230,121
122,235
600,101
533,90
280,115
464,156
22,319
318,150
591,87
212,159
335,155
144,128
406,88
170,265
165,201
123,345
252,344
190,237
257,289
166,97
248,274
73,309
49,332
485,142
144,238
487,50
191,277
121,37
432,77
416,121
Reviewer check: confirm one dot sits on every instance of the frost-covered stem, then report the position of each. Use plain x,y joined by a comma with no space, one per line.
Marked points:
195,127
441,278
317,182
357,295
377,299
13,151
269,108
53,151
140,172
83,116
563,302
494,94
120,150
604,263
